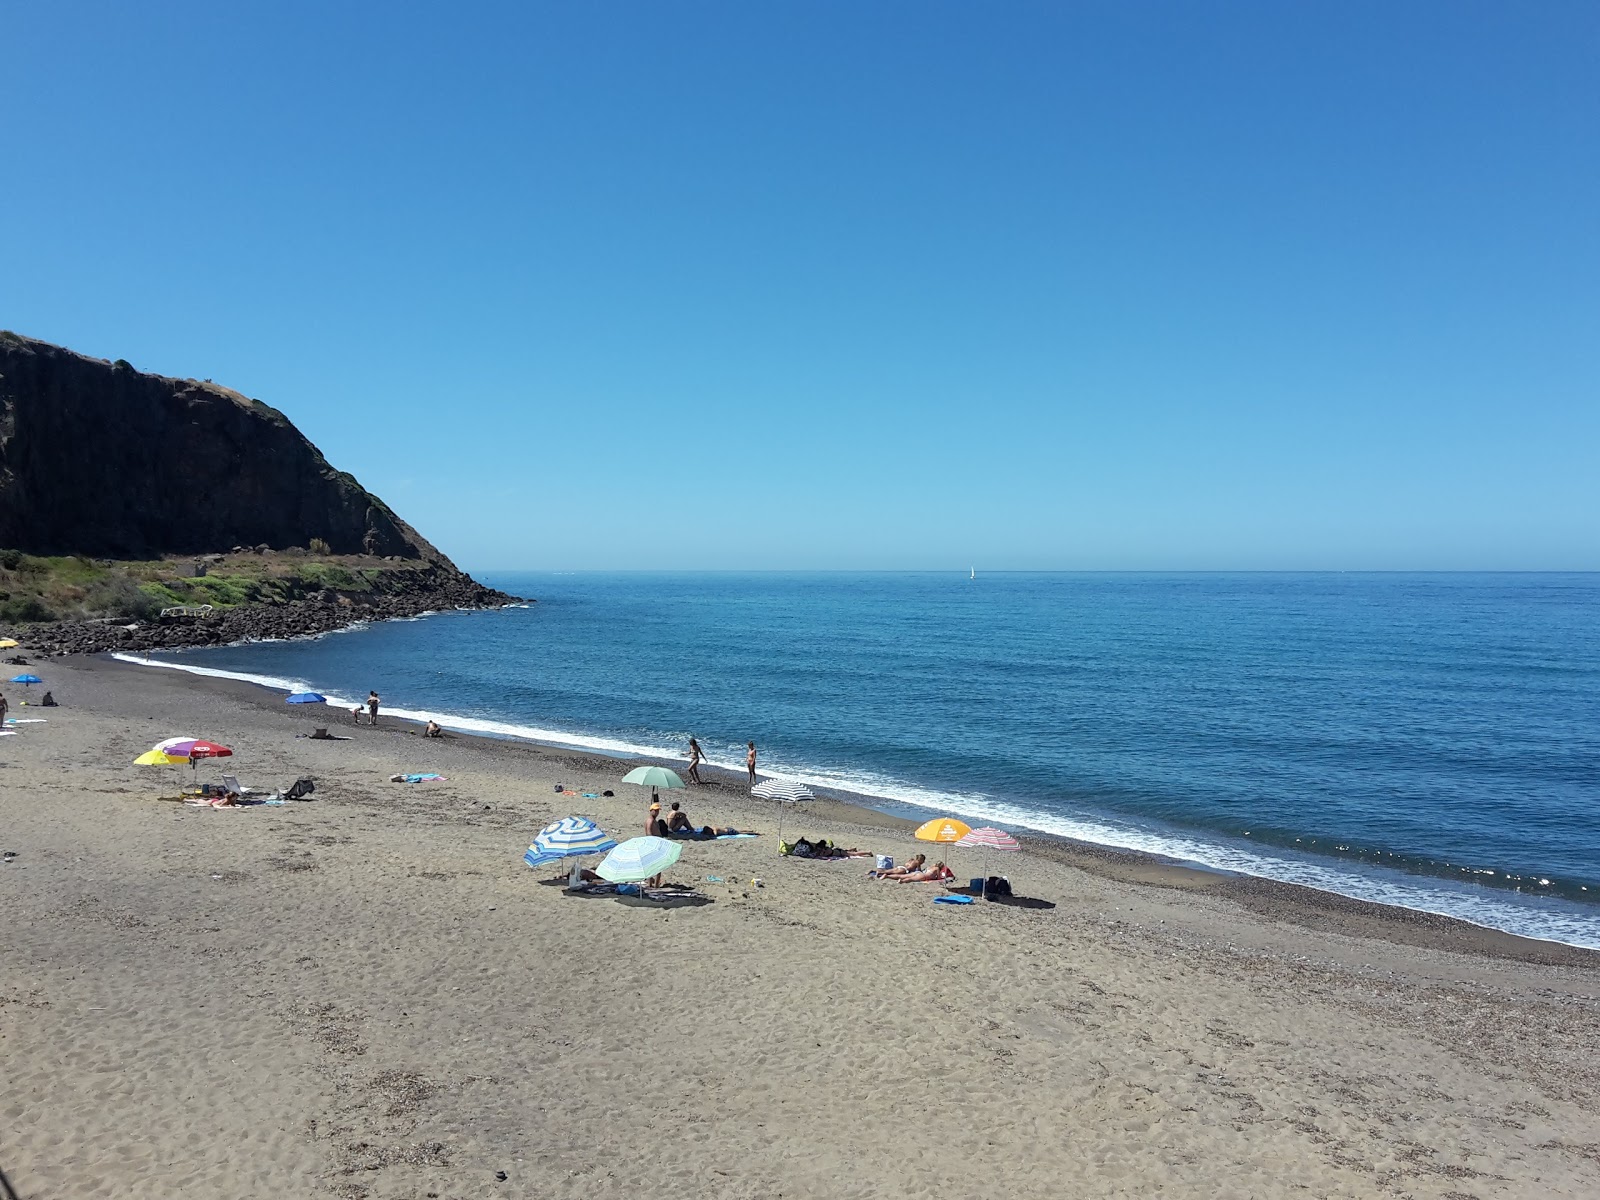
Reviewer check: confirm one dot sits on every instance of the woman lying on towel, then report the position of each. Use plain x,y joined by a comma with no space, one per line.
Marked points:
937,873
918,861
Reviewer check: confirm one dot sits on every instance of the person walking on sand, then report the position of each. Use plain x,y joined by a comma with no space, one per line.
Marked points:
750,761
696,757
372,707
5,707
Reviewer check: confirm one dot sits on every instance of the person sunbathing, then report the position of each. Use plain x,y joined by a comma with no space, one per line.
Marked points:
934,874
918,861
705,833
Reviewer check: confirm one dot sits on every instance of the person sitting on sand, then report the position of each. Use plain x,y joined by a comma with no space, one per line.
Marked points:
934,874
678,820
432,729
918,861
49,701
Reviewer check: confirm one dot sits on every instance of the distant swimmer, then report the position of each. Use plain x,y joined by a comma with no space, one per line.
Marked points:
750,761
695,759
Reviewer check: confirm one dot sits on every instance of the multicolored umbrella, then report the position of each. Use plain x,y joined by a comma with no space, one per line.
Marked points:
989,838
638,859
567,838
193,748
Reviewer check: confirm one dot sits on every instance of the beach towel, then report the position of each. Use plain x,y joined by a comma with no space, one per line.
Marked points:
430,777
953,900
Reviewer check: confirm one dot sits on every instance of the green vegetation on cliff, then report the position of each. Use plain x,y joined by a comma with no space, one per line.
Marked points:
35,588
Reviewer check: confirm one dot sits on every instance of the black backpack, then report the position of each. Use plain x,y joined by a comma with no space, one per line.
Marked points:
996,886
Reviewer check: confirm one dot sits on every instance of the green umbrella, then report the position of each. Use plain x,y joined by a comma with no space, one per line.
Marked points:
638,859
654,777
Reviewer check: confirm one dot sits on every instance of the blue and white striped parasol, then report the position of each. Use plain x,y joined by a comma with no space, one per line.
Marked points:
567,838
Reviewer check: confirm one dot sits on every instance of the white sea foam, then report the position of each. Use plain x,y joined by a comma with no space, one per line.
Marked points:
1528,916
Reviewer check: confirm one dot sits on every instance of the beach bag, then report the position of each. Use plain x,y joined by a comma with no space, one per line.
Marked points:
996,886
885,862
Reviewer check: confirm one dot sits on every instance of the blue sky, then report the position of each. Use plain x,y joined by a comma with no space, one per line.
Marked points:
900,285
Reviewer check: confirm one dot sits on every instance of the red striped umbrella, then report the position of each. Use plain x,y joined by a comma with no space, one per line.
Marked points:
989,838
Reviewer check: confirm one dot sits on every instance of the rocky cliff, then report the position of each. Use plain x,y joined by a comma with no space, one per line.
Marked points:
99,459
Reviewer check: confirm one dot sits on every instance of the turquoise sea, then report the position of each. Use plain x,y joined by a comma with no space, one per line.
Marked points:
1425,740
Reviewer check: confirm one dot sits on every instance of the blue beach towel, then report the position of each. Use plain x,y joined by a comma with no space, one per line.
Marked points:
952,899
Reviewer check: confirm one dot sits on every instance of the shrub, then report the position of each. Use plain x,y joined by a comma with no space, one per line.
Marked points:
10,559
25,608
120,596
318,546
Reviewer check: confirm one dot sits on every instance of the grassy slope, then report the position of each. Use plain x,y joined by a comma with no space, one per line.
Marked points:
63,589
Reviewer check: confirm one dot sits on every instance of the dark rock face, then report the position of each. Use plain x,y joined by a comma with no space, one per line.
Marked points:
101,460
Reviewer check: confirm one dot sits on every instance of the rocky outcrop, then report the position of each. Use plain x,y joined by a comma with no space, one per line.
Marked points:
402,592
102,460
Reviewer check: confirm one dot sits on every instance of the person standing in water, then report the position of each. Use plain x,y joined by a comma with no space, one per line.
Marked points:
750,761
372,707
695,759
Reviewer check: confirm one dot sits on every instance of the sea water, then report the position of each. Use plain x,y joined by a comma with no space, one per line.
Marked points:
1431,741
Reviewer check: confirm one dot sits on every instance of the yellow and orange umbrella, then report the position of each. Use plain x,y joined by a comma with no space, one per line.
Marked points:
942,829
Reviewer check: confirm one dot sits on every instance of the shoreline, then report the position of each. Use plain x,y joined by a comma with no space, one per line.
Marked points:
410,1010
1308,907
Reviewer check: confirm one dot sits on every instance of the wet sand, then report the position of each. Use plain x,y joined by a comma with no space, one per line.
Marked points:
369,995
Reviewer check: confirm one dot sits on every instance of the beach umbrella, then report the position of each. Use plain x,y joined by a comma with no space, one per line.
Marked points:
26,680
155,758
306,698
785,791
942,829
989,838
193,749
9,643
654,777
638,859
568,838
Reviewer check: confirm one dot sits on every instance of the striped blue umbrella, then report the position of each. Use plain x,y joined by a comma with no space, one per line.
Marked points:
567,838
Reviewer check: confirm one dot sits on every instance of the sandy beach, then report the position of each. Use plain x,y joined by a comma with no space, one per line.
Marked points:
369,995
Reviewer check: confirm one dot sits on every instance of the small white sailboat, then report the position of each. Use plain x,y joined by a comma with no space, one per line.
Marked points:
974,574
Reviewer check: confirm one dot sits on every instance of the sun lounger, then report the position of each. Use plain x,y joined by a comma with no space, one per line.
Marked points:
231,782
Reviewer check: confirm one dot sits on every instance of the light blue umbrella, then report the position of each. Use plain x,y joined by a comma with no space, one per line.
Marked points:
638,859
654,777
32,679
306,698
567,838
